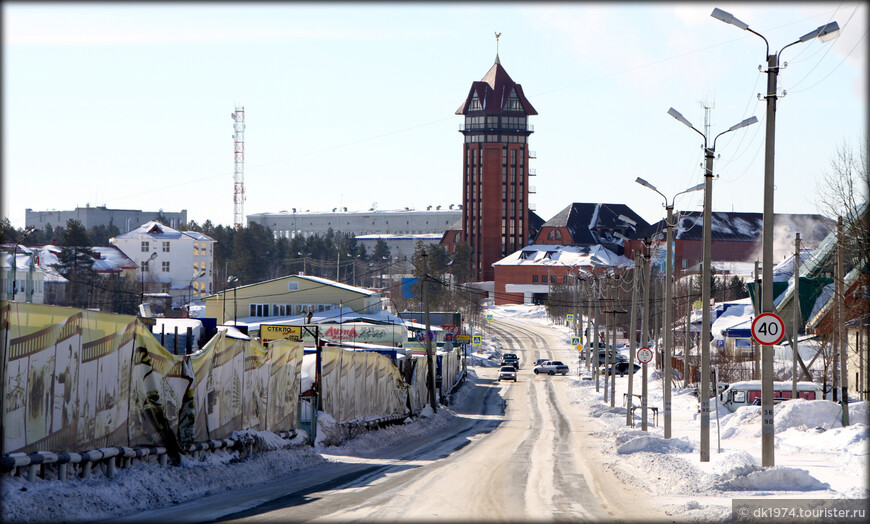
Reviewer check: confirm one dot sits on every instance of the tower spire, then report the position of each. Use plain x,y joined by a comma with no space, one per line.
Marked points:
497,34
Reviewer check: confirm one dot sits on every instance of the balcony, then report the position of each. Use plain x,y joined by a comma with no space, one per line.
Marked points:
533,154
532,190
533,172
494,129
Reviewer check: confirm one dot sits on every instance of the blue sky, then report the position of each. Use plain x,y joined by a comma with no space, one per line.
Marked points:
352,105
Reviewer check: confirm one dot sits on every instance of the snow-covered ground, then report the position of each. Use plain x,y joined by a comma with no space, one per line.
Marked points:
815,456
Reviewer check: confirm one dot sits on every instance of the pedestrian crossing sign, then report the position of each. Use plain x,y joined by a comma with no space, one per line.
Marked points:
476,340
575,341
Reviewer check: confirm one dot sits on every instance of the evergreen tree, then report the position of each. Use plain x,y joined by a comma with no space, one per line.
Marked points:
75,263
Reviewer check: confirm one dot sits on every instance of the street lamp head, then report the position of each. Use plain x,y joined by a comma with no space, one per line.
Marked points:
728,18
644,183
696,188
748,122
824,33
152,257
232,279
676,114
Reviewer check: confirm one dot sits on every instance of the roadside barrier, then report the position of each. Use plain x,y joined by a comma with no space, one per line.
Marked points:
56,466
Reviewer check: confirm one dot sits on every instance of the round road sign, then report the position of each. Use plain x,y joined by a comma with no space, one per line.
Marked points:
768,329
644,355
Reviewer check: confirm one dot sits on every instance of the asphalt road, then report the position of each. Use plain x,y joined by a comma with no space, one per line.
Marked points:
516,451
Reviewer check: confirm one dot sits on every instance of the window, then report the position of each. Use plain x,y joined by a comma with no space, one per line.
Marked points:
534,278
292,286
513,102
166,247
144,266
145,246
259,310
475,103
165,266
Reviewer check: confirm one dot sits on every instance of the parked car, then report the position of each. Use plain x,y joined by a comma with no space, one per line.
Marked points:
614,357
621,369
551,367
507,373
510,359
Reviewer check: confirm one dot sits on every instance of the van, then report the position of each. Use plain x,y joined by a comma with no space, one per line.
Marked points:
748,393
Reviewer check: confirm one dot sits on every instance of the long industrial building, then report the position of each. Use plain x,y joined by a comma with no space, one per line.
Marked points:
432,221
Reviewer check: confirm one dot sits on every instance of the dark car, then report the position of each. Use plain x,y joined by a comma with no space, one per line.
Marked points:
621,369
614,357
510,359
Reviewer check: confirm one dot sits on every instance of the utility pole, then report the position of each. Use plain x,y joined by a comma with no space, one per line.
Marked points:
429,354
612,367
597,292
643,335
756,349
687,351
632,336
606,332
796,322
844,343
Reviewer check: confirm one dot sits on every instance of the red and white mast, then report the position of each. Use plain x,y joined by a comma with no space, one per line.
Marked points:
239,172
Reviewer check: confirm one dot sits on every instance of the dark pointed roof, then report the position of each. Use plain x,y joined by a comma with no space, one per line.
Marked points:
493,91
593,223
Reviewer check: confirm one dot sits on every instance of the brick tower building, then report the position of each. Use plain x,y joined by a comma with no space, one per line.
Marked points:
495,179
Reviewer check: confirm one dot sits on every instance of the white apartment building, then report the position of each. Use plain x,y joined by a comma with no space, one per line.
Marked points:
28,282
432,221
178,263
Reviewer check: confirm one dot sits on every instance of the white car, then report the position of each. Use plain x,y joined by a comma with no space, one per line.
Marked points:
551,367
507,373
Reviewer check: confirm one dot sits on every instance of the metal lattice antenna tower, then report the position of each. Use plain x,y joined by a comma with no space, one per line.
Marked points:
239,172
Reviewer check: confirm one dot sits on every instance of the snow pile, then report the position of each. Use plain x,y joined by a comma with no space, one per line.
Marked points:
145,486
262,440
771,479
655,445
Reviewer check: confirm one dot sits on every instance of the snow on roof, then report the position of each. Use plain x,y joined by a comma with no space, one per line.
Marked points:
345,315
558,255
333,283
154,230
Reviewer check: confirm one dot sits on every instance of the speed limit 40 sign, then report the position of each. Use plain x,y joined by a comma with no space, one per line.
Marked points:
768,329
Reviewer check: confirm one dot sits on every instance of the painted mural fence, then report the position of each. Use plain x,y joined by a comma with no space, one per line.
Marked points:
360,384
76,380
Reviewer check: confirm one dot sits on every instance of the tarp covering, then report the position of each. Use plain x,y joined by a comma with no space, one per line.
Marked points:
358,384
75,380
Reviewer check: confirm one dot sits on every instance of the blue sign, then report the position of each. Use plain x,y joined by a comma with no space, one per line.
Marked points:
407,289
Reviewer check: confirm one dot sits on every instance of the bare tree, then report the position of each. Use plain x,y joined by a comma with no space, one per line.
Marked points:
843,191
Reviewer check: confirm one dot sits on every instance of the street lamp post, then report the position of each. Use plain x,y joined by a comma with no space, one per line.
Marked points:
196,276
232,279
142,279
704,386
823,33
669,298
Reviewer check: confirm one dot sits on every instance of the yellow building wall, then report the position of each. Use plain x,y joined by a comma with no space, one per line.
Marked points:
237,303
